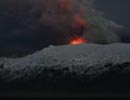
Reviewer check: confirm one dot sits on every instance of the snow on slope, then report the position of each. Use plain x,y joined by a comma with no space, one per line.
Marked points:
77,58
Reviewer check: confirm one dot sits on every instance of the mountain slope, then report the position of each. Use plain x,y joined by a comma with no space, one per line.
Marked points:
79,59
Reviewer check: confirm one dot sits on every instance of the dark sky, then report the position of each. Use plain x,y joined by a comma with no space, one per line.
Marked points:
20,27
118,10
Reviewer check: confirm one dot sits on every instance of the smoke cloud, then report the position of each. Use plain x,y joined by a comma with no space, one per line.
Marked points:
79,17
30,25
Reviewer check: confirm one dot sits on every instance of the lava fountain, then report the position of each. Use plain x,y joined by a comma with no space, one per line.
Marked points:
77,41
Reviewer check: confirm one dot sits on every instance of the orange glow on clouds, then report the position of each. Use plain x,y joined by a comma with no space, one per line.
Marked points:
66,5
79,22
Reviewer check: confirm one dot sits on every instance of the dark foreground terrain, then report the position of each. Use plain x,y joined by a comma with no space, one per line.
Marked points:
81,70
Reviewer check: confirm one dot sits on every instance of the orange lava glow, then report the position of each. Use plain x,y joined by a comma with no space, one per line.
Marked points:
77,41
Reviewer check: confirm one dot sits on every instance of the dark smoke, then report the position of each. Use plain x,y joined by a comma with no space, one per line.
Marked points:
30,25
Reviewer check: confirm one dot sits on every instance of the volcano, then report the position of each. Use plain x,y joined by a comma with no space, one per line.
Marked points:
36,24
61,47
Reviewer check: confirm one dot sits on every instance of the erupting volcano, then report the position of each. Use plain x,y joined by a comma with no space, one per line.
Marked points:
78,23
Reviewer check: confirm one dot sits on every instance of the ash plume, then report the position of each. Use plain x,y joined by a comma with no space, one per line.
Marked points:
30,25
60,15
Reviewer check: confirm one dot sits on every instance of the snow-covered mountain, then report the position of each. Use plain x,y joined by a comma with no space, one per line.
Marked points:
77,58
64,66
87,67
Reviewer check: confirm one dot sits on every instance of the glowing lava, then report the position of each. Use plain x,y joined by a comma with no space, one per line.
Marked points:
77,41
